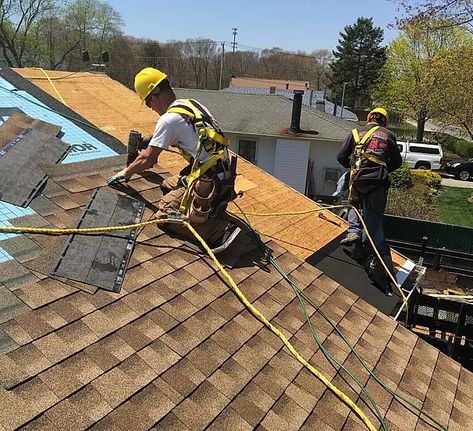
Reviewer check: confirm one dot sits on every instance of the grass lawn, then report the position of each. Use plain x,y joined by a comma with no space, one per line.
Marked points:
453,206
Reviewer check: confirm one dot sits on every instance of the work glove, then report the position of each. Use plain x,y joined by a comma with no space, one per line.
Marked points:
119,177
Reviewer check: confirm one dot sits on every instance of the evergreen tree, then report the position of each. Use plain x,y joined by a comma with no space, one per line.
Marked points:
359,58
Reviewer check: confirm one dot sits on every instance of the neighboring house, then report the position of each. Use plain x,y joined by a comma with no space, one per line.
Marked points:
311,98
257,125
268,83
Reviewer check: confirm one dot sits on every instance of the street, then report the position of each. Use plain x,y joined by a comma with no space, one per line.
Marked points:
452,182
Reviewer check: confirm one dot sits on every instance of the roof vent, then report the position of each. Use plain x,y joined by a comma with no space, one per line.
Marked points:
296,112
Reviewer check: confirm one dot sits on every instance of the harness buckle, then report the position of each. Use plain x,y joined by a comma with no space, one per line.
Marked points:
175,217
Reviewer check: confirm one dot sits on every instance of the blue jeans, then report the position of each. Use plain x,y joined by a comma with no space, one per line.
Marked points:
373,205
354,224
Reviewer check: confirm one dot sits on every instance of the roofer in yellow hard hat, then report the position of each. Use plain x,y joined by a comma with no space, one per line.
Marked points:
371,153
206,184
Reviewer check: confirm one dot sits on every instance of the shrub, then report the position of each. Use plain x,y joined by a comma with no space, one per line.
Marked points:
415,202
401,178
428,178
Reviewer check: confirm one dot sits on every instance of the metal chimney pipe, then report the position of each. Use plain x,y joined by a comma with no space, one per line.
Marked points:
296,112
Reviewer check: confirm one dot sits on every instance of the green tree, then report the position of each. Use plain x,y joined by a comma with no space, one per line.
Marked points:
411,81
455,69
359,57
17,20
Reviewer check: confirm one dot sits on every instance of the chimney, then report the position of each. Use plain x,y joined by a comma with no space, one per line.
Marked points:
296,112
272,89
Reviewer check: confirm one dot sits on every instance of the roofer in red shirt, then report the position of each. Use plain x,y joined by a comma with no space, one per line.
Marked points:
371,153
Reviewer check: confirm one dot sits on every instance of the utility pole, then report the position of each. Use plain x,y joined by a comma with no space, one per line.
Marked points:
343,99
222,60
234,44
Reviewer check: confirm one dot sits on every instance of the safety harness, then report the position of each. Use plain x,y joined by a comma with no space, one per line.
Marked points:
211,139
359,154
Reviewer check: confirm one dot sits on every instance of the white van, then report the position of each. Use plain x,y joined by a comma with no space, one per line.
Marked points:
421,156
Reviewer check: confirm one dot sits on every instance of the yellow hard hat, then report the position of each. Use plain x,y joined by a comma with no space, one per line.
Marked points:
146,81
381,111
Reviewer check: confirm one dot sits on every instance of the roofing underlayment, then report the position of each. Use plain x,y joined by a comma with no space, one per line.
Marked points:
176,350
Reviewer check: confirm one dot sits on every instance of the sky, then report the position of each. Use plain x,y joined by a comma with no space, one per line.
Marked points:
296,25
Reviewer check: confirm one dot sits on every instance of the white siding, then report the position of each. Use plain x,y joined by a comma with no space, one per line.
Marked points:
324,155
291,162
265,150
266,154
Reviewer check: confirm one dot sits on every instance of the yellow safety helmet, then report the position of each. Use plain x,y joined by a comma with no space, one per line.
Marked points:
146,81
381,111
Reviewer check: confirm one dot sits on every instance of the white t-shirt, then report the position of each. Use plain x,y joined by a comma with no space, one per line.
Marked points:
175,130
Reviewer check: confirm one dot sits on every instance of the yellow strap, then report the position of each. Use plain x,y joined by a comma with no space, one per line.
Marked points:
358,150
215,136
356,136
372,158
196,173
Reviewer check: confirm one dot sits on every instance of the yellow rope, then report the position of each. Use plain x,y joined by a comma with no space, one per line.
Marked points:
100,229
52,83
341,395
313,210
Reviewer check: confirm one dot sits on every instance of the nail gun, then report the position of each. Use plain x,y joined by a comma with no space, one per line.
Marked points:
136,143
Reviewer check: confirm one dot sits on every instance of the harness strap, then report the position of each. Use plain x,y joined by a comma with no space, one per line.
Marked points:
359,153
210,140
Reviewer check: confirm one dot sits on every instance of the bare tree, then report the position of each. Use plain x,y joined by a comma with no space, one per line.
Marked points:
199,54
457,12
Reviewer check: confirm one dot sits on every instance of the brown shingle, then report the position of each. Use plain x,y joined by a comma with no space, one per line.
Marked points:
35,392
287,409
153,403
180,340
228,420
179,308
29,359
15,411
230,378
33,324
183,377
208,357
136,278
66,416
271,381
54,347
44,292
115,386
99,323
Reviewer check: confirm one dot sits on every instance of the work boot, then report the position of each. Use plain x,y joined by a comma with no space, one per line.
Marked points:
388,290
350,239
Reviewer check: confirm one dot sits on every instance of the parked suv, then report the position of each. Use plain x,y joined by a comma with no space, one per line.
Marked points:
462,169
421,156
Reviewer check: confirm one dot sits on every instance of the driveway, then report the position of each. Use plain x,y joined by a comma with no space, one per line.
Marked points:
452,182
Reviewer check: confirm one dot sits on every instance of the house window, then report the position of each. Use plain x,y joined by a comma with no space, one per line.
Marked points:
332,175
247,149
